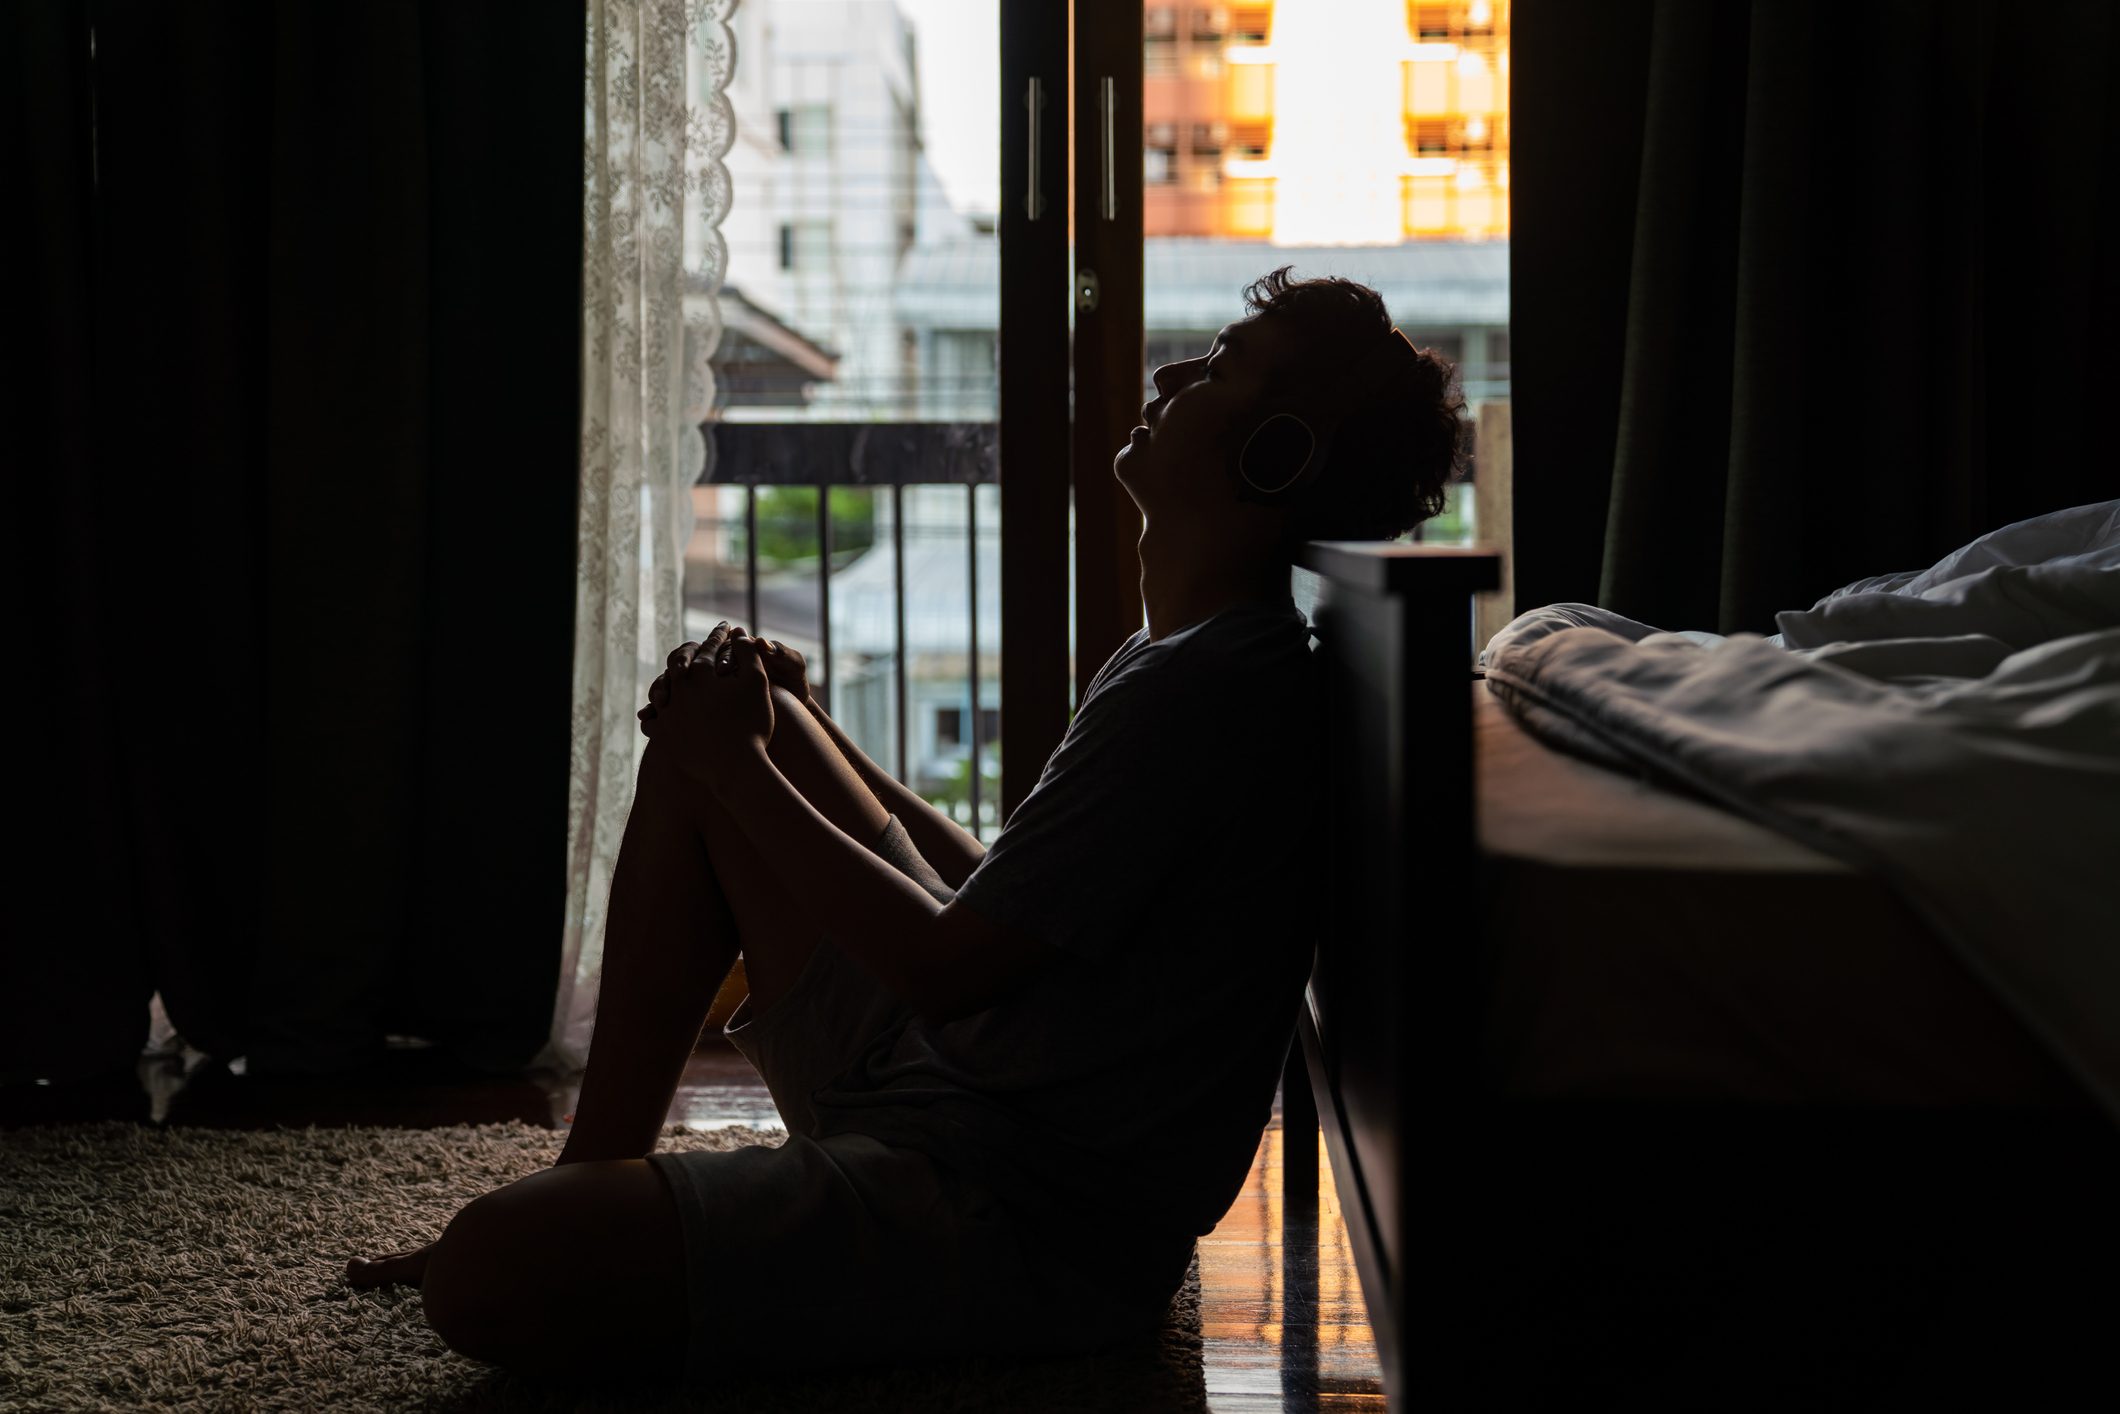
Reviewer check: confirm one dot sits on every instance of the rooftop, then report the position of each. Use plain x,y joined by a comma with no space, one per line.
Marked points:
1197,283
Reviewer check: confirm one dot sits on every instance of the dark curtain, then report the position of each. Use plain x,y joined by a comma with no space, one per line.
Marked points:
1803,291
296,527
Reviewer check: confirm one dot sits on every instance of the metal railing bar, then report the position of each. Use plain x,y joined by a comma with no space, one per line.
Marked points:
897,455
898,616
856,454
824,589
971,542
750,558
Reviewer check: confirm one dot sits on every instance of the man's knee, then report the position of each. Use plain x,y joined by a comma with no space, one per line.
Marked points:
799,746
803,753
792,731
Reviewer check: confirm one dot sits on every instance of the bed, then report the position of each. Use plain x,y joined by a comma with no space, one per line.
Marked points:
1623,1092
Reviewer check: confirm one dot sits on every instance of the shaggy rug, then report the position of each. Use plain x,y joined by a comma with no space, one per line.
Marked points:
148,1268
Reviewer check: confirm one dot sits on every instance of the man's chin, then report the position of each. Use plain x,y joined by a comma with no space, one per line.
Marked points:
1119,463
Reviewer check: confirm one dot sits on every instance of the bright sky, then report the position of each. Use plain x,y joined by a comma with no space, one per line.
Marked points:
958,46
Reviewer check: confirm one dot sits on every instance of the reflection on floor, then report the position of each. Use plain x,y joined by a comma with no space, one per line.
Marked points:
1281,1308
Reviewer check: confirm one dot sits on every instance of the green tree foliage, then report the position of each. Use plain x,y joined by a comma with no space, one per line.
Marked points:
787,523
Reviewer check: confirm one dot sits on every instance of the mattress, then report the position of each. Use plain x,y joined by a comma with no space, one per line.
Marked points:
1644,944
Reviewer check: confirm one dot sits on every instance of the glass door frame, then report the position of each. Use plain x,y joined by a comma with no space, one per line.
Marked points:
1108,344
1070,175
1032,227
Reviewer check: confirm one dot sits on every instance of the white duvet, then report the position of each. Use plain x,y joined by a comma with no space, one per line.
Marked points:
1956,730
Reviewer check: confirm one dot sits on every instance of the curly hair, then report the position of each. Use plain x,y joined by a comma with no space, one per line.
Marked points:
1398,446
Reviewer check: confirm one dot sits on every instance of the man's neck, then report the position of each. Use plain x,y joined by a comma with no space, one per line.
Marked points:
1182,585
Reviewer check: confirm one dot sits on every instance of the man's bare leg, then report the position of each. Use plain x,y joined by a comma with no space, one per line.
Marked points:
685,893
669,940
688,891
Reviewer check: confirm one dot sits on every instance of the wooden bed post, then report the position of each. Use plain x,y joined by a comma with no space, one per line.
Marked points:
1389,1031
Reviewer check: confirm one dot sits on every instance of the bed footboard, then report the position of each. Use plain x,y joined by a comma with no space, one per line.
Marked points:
1386,1039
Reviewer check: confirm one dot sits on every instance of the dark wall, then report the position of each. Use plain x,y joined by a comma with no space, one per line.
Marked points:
1577,94
1804,291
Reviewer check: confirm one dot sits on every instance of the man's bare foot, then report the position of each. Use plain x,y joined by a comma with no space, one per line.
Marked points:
408,1268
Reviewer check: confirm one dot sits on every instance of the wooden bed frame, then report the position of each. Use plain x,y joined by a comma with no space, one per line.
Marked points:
1394,624
1438,1184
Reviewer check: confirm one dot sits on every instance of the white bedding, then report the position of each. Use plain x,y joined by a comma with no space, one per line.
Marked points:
1956,730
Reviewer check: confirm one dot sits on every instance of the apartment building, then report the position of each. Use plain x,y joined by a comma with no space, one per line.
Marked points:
1334,122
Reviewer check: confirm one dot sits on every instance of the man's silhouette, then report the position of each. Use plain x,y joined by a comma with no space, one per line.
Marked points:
1018,1082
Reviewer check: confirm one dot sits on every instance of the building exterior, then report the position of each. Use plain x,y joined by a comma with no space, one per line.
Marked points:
831,192
1327,122
1448,295
1367,138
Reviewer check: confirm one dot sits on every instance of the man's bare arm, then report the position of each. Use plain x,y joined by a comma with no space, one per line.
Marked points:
717,715
941,841
946,845
946,961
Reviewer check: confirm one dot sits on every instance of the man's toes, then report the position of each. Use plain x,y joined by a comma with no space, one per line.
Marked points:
383,1271
363,1272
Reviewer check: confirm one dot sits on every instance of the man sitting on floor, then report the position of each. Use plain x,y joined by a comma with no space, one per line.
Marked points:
1018,1082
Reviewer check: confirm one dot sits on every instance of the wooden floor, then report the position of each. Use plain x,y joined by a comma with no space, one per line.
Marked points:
1281,1308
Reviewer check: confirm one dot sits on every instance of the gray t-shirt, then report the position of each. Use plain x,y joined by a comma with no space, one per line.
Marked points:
1118,1097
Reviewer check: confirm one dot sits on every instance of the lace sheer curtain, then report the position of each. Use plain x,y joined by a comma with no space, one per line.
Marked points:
657,124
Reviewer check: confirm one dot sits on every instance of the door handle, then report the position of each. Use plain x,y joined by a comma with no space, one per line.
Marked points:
1034,194
1108,105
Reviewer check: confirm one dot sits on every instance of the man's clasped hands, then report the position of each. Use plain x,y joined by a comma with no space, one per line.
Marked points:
712,706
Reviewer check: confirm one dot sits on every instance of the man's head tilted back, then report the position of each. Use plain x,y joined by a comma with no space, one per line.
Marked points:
1312,418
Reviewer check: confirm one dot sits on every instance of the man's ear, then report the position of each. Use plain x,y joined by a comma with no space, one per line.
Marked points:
1276,455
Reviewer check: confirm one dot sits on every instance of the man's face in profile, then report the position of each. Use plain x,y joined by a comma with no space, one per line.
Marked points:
1203,410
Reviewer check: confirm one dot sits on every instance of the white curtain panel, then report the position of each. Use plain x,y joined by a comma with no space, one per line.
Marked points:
657,124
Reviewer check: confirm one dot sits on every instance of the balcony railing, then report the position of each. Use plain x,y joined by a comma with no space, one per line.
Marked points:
879,455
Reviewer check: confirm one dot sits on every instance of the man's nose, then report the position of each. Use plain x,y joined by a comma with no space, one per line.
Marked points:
1172,376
